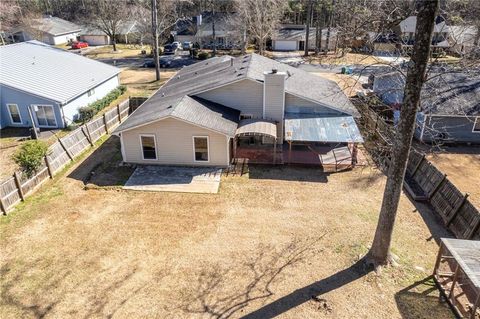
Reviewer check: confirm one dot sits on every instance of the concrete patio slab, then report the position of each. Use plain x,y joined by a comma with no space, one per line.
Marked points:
175,179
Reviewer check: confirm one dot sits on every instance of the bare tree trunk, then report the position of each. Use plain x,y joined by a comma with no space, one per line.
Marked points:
155,40
330,21
379,252
307,33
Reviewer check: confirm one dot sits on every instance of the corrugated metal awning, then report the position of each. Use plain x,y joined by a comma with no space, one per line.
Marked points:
250,127
316,128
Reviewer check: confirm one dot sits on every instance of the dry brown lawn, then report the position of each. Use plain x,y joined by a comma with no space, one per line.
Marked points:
462,169
123,51
348,83
282,241
141,81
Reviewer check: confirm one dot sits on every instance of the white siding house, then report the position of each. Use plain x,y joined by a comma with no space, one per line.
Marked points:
213,109
49,30
43,79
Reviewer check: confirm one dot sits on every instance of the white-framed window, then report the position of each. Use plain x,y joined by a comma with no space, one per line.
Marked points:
476,125
201,151
246,116
14,112
45,115
149,146
91,92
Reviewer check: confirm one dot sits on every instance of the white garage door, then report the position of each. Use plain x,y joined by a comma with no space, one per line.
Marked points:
95,39
285,45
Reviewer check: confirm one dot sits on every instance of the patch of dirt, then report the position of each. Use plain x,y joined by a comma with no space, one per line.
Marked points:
347,59
463,170
348,83
141,81
287,245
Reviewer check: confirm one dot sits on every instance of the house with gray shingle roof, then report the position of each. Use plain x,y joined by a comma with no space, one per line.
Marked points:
449,104
51,82
49,30
245,107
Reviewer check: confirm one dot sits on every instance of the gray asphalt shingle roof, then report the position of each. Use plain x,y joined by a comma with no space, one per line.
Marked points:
449,93
55,25
49,72
212,73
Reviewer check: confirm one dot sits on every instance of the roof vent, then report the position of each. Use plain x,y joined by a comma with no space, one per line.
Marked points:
274,71
163,94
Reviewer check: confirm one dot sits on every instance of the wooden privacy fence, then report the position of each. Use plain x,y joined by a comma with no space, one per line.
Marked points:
457,212
14,189
423,181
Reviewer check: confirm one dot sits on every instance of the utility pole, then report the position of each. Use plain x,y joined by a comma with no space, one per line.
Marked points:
213,30
309,20
330,21
155,39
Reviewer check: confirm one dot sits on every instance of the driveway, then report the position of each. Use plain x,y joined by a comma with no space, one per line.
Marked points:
293,58
175,179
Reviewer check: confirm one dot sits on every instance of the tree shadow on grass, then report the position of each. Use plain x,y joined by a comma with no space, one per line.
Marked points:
222,292
421,300
313,291
103,168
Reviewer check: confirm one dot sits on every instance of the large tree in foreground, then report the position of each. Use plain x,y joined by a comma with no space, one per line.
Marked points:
379,253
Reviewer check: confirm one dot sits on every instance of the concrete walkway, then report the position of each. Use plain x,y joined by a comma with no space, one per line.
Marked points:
175,179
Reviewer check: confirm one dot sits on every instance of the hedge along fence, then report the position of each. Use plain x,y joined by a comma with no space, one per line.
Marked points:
14,189
456,211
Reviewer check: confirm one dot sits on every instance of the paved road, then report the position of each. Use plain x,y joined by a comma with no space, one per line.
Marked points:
177,61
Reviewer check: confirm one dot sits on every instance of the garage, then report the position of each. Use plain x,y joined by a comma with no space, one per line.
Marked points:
95,39
284,45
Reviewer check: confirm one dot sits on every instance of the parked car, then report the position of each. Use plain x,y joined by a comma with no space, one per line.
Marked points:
170,48
164,63
178,44
187,45
79,45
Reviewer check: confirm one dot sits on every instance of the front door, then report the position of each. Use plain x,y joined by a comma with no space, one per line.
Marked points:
45,115
301,45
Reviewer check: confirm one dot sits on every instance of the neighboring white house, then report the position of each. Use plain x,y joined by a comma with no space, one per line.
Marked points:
245,107
291,37
127,33
49,82
463,39
49,30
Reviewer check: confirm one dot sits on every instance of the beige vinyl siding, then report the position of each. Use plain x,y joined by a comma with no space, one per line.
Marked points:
295,104
245,96
174,140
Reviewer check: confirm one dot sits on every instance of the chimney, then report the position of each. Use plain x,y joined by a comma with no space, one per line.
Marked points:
274,99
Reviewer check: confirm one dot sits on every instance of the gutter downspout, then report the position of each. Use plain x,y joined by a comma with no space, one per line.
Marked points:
63,115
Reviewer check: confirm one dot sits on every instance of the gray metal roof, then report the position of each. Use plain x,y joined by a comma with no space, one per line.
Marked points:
467,255
55,25
49,72
316,128
212,73
257,126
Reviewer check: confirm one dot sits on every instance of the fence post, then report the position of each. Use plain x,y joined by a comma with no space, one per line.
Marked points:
87,135
119,114
457,209
437,187
105,123
66,149
49,168
2,207
418,165
19,185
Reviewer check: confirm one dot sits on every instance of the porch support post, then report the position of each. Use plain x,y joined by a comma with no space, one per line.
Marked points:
289,152
275,151
235,147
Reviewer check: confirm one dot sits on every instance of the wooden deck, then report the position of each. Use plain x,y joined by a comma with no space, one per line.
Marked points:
325,156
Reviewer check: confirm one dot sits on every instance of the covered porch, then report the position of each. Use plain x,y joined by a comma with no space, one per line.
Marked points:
256,141
327,141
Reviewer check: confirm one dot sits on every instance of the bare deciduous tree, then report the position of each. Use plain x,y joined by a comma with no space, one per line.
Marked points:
108,16
261,18
379,253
